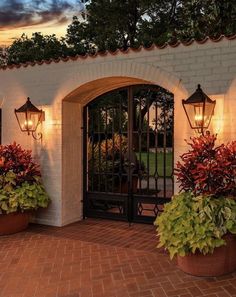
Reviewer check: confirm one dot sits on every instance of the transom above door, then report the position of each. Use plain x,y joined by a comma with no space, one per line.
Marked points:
128,153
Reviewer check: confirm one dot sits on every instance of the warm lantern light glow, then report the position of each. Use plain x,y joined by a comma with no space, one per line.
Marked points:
198,119
199,109
27,125
218,117
29,117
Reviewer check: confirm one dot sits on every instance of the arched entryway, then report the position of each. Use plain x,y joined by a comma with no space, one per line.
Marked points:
73,154
128,153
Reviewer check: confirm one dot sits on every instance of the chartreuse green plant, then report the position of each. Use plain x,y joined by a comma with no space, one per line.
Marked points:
27,196
189,224
21,187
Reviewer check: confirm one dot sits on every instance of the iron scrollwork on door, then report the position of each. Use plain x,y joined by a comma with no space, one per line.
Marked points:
128,153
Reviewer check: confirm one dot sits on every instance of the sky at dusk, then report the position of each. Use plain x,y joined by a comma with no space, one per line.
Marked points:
29,16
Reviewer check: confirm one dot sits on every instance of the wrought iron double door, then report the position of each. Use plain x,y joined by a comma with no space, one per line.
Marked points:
128,154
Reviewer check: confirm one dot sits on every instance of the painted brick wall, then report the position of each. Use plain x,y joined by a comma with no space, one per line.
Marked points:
179,69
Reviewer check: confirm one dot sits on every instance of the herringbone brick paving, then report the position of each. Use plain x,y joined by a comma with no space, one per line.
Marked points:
97,258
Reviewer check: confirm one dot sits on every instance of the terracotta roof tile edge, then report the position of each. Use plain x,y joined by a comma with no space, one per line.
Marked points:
109,52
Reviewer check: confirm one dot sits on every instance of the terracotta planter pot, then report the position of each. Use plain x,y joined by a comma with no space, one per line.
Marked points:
221,262
13,222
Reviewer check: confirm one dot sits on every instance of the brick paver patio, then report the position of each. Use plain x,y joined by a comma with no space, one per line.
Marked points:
96,258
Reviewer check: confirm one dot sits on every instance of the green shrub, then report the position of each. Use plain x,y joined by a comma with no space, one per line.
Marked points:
189,224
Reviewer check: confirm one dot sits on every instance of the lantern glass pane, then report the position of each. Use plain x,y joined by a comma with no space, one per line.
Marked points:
21,120
32,121
195,114
208,113
28,121
198,115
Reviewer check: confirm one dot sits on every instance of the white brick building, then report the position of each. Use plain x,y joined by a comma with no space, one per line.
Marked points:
61,88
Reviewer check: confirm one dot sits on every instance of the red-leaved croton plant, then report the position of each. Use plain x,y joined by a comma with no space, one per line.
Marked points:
208,169
19,161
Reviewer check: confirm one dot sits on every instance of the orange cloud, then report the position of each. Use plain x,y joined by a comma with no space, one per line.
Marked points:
45,16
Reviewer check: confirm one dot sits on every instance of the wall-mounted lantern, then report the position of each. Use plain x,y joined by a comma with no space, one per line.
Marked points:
199,109
29,117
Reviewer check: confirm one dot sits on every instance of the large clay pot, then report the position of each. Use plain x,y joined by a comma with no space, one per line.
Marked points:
221,262
13,222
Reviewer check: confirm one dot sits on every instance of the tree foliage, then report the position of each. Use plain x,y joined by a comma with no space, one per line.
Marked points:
130,23
36,48
3,56
112,24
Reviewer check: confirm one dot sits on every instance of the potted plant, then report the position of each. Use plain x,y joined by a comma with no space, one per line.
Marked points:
199,224
21,188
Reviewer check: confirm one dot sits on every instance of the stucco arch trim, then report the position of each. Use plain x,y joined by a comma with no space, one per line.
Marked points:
98,79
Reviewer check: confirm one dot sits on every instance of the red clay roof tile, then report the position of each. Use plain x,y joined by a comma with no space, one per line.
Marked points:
108,52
